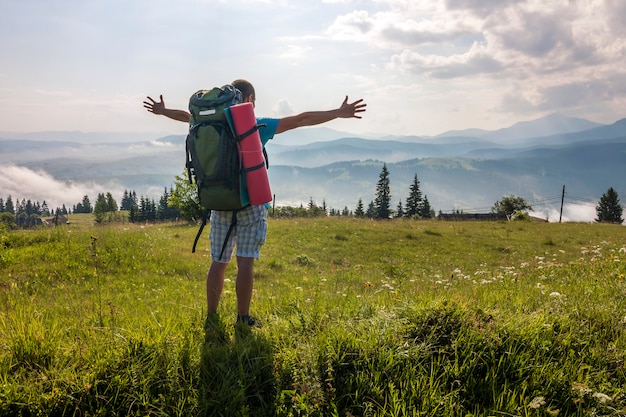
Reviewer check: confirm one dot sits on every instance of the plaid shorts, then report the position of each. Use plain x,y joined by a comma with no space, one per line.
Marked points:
248,235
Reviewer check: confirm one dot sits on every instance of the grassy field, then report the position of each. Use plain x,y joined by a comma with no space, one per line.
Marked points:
361,318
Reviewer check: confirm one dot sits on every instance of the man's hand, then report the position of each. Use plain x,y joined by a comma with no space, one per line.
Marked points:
156,107
347,110
311,118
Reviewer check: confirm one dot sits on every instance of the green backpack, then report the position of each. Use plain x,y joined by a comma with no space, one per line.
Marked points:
213,161
212,156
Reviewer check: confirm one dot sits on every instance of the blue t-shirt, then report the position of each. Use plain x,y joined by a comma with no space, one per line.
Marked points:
267,132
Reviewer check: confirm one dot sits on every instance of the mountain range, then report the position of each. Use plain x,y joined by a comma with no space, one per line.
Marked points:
466,170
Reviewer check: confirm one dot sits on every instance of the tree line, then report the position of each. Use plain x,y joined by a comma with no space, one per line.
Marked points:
181,202
415,206
26,213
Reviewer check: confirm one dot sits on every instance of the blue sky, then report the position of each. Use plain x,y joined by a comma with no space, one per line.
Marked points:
423,66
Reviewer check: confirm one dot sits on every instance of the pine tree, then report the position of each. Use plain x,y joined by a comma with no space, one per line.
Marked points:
383,195
101,208
111,203
125,204
162,208
426,211
8,205
414,201
45,210
29,208
147,209
359,212
87,205
608,209
371,210
132,213
84,206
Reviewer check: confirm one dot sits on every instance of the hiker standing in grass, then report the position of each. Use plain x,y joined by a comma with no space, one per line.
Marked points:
251,228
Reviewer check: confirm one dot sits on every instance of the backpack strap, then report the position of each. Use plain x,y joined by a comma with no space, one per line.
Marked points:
233,223
206,215
250,131
267,161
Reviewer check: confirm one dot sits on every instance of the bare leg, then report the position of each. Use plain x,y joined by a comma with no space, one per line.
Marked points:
245,281
215,285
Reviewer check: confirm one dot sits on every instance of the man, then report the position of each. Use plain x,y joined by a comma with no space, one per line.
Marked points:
250,231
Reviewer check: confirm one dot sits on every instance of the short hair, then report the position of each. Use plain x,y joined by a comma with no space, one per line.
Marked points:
246,88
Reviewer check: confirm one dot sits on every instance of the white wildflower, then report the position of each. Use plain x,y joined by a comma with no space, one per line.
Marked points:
555,294
603,398
537,402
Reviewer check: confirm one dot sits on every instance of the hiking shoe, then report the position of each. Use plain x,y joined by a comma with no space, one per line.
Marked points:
250,321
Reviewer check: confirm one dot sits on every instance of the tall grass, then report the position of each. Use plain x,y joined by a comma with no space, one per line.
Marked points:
361,318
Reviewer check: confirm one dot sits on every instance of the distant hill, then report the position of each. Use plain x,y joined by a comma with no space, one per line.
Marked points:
455,172
80,137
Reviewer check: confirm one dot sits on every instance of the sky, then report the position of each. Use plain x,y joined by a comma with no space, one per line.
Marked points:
422,66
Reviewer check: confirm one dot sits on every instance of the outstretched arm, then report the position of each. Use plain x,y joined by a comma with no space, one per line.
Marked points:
158,107
346,110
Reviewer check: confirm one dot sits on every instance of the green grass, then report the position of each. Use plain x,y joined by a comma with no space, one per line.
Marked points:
361,318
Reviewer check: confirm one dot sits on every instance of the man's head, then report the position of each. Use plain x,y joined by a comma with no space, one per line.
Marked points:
247,90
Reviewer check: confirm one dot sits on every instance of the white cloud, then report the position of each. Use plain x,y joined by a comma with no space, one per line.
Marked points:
23,183
475,61
283,108
585,213
482,8
102,59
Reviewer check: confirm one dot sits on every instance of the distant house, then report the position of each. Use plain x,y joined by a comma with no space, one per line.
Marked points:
475,216
55,221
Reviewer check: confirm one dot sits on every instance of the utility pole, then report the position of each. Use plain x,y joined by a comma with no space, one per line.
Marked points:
562,199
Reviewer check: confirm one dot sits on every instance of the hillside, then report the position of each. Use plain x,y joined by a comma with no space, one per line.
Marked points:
455,172
360,317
